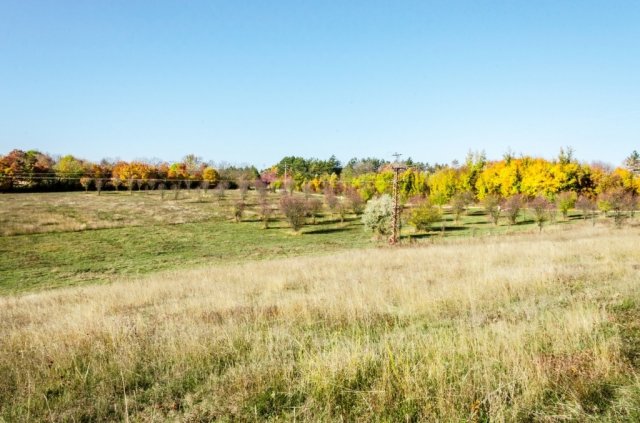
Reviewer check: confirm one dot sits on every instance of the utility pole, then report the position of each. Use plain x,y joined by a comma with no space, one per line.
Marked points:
397,167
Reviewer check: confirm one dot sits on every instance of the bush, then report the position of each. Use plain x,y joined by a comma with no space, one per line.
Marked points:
424,215
294,210
378,214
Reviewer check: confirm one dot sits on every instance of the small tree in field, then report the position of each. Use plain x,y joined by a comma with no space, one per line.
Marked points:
162,188
238,210
342,208
459,203
116,182
587,206
491,204
265,211
330,198
314,208
542,209
204,186
424,215
220,189
175,187
620,203
378,215
512,207
99,182
85,182
355,200
294,210
566,201
243,188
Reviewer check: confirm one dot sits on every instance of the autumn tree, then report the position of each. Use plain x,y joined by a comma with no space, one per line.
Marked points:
85,181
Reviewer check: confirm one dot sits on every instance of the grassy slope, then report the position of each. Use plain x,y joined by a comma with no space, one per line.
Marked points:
525,327
61,239
67,252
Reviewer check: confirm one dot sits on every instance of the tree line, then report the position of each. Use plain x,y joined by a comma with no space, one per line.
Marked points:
476,178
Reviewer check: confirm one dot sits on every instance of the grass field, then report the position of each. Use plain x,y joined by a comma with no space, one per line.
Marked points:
527,327
61,239
170,310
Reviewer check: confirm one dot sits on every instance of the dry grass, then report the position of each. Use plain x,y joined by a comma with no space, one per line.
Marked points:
79,211
526,327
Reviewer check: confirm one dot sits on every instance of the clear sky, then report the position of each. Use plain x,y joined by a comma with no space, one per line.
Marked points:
253,81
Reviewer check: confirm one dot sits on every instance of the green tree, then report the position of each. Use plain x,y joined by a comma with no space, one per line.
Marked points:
424,215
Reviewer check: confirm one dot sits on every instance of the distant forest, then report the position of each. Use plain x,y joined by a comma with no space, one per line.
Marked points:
29,171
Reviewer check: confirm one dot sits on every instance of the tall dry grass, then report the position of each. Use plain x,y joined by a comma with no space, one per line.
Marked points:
526,327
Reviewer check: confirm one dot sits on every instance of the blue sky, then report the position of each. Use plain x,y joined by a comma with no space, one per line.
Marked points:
253,81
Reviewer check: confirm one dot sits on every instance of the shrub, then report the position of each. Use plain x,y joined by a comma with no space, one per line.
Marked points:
424,215
566,201
377,217
542,209
491,204
512,207
294,210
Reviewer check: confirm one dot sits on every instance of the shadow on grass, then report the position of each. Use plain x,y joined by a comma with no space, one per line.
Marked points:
326,230
477,213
